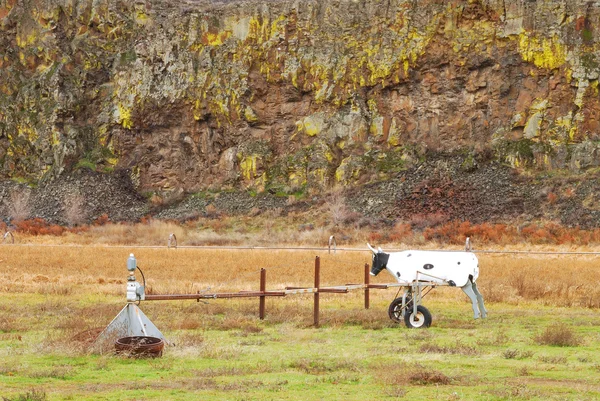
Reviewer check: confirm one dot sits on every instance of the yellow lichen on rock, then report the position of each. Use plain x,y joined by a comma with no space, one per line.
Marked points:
248,166
215,38
549,53
250,115
124,116
311,125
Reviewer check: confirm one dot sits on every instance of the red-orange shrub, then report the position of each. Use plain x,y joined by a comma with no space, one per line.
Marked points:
375,237
400,232
101,220
38,226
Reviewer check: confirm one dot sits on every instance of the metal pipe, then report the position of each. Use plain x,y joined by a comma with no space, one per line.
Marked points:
249,294
333,290
261,302
316,295
367,280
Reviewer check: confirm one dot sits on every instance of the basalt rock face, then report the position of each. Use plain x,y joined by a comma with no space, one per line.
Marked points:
288,95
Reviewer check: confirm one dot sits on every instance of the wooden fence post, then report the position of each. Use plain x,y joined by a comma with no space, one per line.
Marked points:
367,279
263,286
316,295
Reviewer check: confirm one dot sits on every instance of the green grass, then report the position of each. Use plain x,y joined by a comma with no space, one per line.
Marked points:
222,351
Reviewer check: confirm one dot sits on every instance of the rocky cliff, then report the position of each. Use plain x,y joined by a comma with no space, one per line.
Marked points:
294,95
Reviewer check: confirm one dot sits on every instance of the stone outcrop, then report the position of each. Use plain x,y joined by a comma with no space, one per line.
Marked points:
289,95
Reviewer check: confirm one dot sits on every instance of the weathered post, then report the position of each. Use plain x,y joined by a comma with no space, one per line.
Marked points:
367,278
316,295
263,286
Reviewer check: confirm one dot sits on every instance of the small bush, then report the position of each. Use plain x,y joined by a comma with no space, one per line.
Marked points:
426,376
31,395
458,349
516,354
522,371
559,335
558,359
101,220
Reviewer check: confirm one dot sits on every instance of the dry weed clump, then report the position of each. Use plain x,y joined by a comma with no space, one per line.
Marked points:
459,348
426,376
324,365
415,374
8,324
30,395
516,354
558,334
554,360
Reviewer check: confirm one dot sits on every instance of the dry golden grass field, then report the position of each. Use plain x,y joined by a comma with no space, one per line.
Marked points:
541,340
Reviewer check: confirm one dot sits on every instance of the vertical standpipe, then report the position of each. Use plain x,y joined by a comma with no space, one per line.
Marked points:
135,291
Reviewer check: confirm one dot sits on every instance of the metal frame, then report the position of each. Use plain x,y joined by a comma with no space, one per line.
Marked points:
413,289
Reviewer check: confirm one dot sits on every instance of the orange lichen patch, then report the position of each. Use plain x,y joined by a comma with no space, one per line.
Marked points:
3,12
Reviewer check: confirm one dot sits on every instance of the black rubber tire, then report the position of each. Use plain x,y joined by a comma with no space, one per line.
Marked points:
420,321
395,311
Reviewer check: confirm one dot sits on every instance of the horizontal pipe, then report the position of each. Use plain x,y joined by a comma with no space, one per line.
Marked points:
378,286
334,290
249,294
301,291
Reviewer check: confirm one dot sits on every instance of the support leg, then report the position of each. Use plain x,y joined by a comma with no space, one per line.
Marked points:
479,300
468,289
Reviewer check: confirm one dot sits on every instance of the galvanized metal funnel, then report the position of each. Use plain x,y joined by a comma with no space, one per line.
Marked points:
131,321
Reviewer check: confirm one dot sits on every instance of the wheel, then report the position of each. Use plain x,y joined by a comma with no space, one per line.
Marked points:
417,320
395,311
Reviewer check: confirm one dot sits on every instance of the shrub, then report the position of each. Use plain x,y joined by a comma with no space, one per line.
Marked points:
559,335
401,232
101,220
39,226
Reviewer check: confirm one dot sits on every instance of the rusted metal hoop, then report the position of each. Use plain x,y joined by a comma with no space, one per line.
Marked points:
332,240
10,235
172,241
